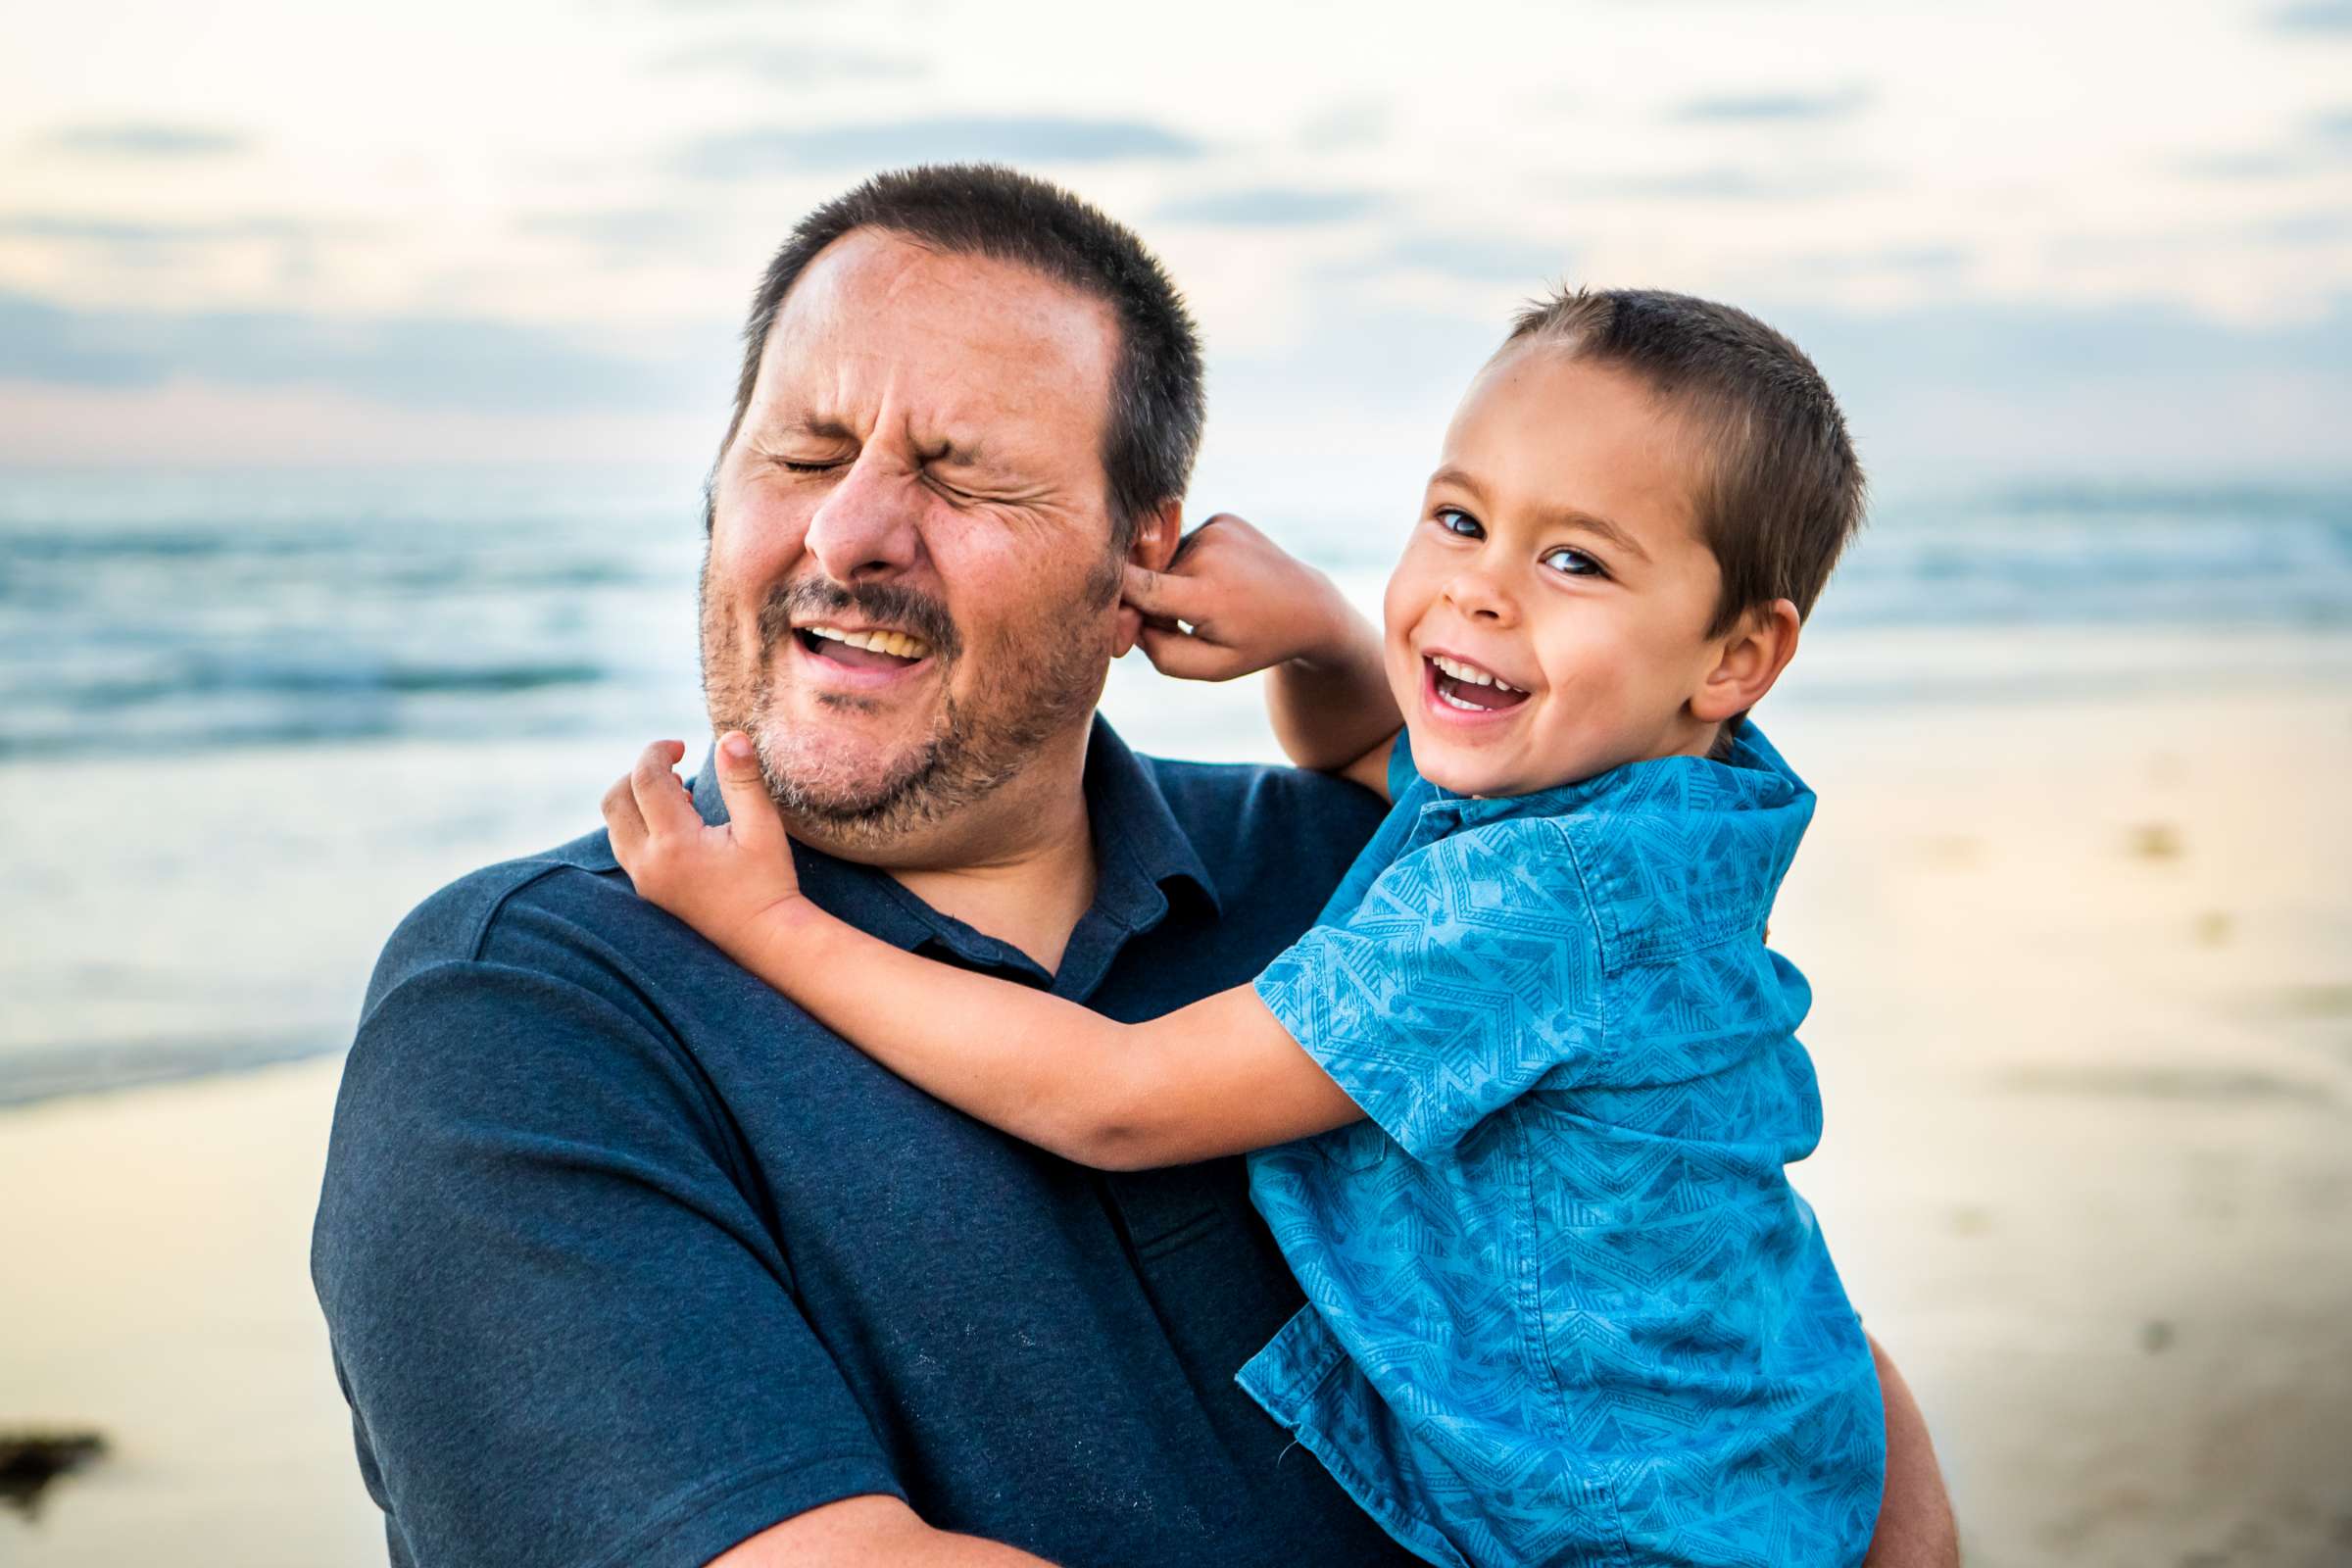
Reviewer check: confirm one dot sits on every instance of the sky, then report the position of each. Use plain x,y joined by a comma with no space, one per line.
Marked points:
2085,240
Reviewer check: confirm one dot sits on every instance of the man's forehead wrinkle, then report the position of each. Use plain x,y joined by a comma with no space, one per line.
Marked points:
991,371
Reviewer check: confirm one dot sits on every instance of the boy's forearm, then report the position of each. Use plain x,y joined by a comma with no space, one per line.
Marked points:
1044,1069
1333,705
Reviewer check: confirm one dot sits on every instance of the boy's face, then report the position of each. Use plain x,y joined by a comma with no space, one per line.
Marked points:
1550,618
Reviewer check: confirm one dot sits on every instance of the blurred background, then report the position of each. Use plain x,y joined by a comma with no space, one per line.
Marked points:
358,367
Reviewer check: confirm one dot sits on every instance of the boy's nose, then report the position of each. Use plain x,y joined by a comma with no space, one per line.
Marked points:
1478,596
867,525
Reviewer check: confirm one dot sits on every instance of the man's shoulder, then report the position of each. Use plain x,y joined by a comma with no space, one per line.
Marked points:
458,922
1234,809
531,977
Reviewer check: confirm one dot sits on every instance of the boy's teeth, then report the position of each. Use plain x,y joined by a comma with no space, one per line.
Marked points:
1470,674
896,643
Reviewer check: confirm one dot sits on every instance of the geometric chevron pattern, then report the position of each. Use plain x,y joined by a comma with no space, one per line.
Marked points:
1563,1306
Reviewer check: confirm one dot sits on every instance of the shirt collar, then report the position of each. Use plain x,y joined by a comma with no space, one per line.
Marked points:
1142,860
1750,776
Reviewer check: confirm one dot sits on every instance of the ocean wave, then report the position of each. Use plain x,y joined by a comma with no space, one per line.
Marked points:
211,614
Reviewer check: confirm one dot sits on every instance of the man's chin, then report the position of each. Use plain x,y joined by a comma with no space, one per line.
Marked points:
822,777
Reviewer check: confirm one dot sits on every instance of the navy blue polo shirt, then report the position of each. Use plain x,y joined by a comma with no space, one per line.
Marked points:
624,1258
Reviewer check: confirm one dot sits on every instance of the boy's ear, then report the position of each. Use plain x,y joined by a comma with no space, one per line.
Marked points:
1749,659
1156,536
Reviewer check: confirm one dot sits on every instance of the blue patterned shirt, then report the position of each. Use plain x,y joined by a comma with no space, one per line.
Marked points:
1563,1306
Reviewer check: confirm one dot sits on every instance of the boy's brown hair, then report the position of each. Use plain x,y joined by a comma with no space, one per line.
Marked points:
1782,491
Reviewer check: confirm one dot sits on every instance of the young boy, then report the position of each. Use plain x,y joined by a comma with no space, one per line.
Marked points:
1521,1101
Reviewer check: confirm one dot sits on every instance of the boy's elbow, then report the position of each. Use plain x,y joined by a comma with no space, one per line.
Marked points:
1117,1125
1120,1144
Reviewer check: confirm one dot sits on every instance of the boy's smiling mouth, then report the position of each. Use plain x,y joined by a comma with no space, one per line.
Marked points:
1455,686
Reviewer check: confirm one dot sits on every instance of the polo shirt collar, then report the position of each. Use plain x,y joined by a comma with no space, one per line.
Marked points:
1144,863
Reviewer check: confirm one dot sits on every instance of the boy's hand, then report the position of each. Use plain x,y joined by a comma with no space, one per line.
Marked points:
1251,606
728,882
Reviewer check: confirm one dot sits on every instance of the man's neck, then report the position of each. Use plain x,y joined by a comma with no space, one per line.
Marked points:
1019,865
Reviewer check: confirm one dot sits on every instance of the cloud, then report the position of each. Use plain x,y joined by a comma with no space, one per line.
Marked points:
147,139
2314,16
623,233
135,245
1730,182
1970,393
1915,260
944,139
129,234
1941,392
791,65
1342,127
2324,141
1465,257
1269,207
1785,108
415,361
2244,164
2319,227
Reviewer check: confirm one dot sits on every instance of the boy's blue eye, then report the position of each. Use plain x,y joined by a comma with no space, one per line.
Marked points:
1573,562
1455,520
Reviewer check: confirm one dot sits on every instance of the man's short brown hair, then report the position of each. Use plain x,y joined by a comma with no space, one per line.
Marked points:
1781,492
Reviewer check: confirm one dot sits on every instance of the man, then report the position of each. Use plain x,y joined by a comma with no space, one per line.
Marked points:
626,1261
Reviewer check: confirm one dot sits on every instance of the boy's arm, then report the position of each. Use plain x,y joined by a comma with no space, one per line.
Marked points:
1248,606
1218,1077
1331,705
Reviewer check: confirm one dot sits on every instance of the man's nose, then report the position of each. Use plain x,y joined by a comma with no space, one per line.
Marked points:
865,526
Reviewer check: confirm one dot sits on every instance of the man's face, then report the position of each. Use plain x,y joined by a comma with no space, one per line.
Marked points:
909,587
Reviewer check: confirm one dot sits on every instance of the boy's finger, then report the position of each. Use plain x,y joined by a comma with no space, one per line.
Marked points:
1172,653
749,811
665,807
623,821
1197,532
1161,595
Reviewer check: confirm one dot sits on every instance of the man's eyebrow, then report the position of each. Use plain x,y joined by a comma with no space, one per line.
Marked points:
822,429
1552,516
965,452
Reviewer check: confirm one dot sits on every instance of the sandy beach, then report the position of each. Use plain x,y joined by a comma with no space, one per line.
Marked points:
2084,1029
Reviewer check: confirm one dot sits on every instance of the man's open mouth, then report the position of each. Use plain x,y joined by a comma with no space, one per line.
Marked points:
864,649
1463,685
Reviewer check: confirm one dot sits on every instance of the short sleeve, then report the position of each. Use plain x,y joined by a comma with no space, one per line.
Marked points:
565,1337
1469,974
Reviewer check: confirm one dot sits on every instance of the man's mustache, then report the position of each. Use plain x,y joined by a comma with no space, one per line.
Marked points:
889,605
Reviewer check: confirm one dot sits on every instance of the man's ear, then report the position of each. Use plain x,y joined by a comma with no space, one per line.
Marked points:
1749,660
1157,535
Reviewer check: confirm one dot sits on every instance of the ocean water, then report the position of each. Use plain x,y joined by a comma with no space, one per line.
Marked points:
247,720
176,614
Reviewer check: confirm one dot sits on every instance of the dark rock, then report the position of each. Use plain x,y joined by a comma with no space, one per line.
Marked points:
30,1460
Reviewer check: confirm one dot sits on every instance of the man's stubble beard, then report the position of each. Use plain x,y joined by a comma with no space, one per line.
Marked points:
1049,678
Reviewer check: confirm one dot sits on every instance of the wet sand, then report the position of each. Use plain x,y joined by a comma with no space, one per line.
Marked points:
158,1244
2084,1024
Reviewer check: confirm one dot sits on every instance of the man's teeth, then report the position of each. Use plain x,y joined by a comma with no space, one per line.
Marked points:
896,643
1469,675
